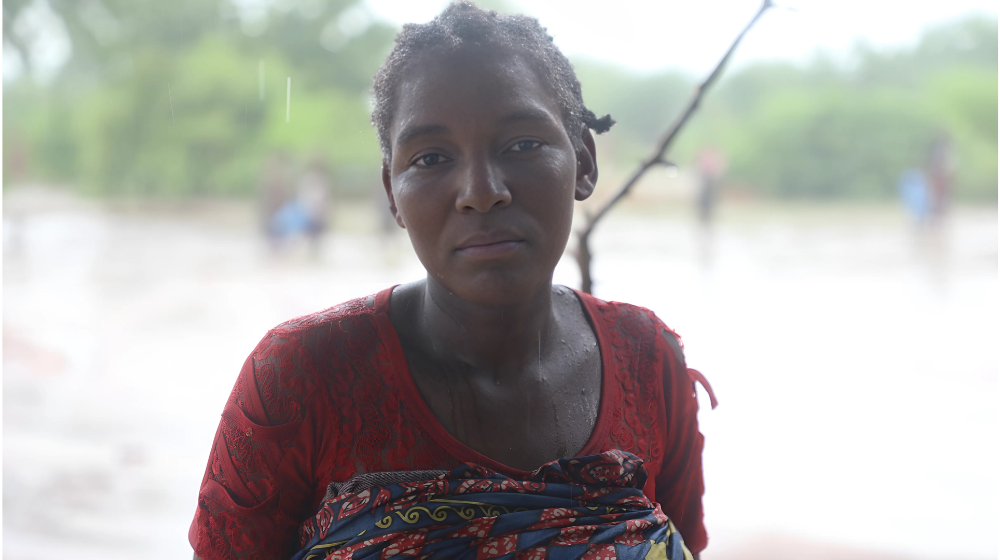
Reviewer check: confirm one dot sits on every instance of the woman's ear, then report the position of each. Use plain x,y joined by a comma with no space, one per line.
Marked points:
387,185
586,166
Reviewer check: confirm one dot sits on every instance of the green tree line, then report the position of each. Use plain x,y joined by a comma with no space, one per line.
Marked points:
826,129
185,99
190,98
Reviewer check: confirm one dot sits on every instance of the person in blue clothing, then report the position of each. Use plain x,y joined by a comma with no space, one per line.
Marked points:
913,191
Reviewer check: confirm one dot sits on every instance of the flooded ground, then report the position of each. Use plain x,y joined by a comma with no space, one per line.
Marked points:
856,365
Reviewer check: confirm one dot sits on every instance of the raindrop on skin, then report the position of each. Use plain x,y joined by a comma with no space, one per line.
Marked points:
539,354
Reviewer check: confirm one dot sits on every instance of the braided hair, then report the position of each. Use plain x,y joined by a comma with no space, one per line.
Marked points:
464,23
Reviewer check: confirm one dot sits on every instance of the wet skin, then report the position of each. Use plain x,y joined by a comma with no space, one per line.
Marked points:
483,175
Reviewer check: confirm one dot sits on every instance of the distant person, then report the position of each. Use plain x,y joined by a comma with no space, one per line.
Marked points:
940,171
711,167
15,157
314,199
290,220
274,194
915,194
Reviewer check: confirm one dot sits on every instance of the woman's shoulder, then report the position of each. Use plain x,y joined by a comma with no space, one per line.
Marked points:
303,356
630,321
351,309
321,331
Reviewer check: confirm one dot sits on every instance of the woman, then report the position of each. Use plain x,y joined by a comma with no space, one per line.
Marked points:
485,363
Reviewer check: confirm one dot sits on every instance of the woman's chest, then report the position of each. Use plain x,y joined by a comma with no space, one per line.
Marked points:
545,414
376,422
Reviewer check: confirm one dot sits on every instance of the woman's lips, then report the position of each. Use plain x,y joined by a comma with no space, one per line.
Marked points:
491,250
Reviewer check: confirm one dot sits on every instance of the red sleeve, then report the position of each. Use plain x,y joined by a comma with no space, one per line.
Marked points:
679,484
238,514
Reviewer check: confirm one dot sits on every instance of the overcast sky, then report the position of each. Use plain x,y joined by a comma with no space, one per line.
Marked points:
693,34
648,34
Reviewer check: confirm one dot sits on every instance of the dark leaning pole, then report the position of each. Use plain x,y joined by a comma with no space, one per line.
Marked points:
582,252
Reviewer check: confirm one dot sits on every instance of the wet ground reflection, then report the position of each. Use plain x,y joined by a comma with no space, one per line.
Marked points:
855,363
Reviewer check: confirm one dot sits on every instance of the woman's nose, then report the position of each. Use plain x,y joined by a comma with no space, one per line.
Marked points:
482,188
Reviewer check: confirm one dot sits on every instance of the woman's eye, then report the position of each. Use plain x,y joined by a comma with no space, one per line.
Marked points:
525,145
429,160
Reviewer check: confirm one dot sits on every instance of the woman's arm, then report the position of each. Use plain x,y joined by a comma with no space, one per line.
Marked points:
679,484
238,513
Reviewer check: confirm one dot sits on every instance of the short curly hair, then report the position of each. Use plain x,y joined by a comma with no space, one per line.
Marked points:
464,23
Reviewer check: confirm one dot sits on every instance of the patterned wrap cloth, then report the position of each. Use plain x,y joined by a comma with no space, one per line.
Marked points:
588,508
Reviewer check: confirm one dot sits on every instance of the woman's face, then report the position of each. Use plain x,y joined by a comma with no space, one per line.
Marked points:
483,173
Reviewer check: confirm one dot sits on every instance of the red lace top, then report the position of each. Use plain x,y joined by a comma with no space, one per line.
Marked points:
329,395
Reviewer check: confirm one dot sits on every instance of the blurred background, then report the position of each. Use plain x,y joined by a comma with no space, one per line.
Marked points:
178,177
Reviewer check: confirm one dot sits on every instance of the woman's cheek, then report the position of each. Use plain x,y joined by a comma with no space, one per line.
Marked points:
404,194
561,164
407,191
421,204
551,175
542,168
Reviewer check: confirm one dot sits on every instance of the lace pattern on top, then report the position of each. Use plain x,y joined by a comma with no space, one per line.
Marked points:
318,401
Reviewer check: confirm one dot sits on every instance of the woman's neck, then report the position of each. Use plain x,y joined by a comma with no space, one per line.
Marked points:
504,341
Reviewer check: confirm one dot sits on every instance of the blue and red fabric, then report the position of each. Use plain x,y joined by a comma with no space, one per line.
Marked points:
589,508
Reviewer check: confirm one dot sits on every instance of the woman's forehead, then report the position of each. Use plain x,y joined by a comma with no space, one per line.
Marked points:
470,82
